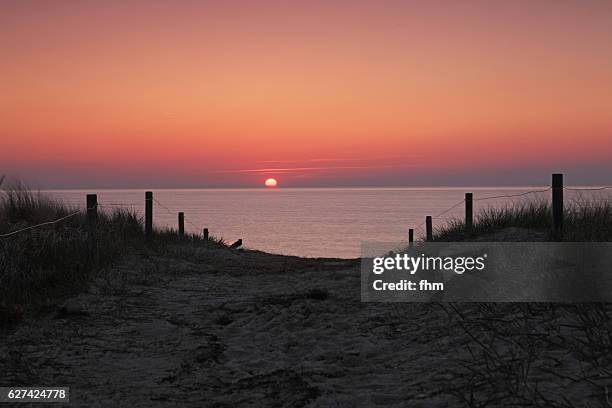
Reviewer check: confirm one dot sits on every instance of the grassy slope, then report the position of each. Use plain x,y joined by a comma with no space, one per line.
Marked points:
520,351
39,265
584,221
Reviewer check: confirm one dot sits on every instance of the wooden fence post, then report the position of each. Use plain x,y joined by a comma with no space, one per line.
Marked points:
148,214
205,234
181,225
410,237
428,228
92,220
557,206
469,211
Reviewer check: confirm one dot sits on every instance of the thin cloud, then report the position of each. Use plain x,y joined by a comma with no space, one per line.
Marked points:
342,159
334,159
299,169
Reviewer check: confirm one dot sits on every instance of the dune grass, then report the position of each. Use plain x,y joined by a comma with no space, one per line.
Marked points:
522,354
533,354
39,265
584,220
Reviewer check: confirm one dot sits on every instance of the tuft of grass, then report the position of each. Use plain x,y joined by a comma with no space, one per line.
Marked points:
21,207
584,221
40,265
588,221
532,354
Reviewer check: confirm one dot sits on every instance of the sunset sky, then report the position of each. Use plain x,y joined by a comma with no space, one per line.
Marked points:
313,93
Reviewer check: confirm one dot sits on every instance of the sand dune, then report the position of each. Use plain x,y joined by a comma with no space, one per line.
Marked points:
219,327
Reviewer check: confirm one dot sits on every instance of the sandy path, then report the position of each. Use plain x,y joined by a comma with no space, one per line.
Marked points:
221,328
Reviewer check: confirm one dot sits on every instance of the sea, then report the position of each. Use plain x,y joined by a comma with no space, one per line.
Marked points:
314,222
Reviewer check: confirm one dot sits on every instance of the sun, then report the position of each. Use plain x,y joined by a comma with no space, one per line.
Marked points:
271,183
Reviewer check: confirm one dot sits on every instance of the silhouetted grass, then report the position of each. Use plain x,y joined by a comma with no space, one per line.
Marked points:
39,265
584,221
532,354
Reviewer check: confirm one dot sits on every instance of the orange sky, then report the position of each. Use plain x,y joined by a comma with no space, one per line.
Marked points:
196,93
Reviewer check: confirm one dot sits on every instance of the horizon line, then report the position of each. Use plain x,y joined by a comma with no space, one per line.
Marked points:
433,187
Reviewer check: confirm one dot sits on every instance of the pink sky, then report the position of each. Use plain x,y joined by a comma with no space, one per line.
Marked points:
197,94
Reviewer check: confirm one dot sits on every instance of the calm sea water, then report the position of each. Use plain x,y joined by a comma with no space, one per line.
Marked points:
306,222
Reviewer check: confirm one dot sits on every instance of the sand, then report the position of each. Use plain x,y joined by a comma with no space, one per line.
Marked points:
194,326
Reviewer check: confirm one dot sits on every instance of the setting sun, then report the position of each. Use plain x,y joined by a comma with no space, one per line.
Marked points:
271,182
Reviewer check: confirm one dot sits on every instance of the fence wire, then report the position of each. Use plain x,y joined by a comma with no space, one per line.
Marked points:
197,228
512,195
162,206
419,227
422,224
40,225
98,205
193,225
588,189
119,205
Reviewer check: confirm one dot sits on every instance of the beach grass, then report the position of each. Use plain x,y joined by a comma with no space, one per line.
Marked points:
515,345
41,264
530,354
584,221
